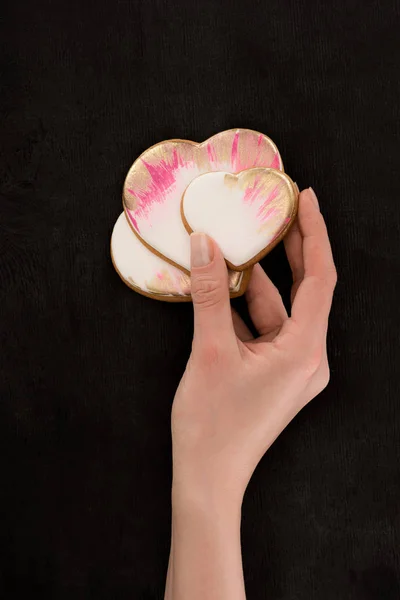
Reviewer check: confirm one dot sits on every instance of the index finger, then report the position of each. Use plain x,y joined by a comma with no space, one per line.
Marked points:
313,300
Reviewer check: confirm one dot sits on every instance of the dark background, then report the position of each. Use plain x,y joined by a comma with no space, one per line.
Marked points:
89,368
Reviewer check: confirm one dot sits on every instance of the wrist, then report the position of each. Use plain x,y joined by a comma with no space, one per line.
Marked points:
205,498
210,482
201,514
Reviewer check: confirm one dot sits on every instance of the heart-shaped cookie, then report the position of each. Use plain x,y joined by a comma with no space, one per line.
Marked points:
246,214
156,181
148,274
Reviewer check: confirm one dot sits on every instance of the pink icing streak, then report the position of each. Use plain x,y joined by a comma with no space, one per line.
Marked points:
212,156
234,152
270,213
162,182
160,276
133,221
252,192
259,142
276,163
162,174
239,163
269,199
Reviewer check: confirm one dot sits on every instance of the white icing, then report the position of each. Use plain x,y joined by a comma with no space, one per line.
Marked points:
137,265
215,204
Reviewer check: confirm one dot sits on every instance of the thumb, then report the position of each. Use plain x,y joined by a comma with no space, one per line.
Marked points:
210,292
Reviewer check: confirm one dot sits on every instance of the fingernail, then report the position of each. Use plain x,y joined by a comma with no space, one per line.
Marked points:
201,250
314,197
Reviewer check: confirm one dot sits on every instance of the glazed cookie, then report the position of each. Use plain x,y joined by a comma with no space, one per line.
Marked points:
246,214
156,181
150,275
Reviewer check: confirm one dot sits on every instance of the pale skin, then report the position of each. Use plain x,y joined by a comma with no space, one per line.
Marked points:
237,395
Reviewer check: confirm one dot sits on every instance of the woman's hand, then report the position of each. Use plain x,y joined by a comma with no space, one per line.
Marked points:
239,392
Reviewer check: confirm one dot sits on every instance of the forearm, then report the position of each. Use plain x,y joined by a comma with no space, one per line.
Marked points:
205,559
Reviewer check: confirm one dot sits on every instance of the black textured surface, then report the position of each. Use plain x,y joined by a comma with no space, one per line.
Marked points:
89,369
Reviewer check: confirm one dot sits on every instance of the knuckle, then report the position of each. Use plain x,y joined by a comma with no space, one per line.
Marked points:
206,291
320,284
210,355
326,282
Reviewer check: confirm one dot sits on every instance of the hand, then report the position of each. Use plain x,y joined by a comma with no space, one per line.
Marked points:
239,392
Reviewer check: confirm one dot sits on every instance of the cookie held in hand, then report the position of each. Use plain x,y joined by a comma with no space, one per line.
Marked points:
246,214
150,245
157,179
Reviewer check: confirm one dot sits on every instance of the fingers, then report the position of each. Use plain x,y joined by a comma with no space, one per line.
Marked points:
210,293
242,331
314,296
265,303
294,250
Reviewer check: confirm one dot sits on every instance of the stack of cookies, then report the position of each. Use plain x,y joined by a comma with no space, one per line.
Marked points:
231,187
